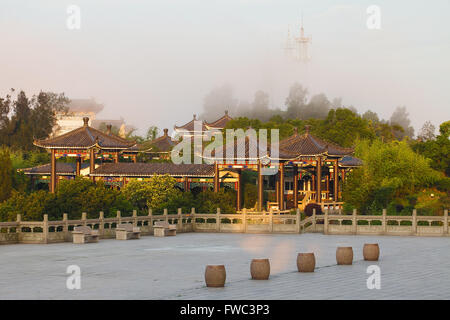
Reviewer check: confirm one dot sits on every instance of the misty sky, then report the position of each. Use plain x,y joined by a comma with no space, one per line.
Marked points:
152,62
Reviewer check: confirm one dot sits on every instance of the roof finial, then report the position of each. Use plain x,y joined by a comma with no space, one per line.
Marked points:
226,112
166,132
86,121
295,130
195,117
109,129
307,128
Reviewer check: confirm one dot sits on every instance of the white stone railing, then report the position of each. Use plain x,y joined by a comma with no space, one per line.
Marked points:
244,222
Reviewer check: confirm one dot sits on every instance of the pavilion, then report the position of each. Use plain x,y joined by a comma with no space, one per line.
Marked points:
83,143
302,157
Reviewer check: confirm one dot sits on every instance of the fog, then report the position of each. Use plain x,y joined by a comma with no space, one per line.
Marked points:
153,62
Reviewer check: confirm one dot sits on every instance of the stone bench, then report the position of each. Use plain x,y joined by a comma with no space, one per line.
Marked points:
163,228
126,231
84,234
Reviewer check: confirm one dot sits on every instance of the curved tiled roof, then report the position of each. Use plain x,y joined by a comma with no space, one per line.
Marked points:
308,145
62,168
221,122
127,169
190,126
83,138
349,161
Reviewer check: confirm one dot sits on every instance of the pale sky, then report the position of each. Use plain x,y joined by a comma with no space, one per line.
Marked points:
152,62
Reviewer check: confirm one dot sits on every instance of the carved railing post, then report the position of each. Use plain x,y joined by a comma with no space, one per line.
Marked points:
298,219
19,227
45,229
83,218
193,219
180,219
101,224
166,215
271,220
325,223
354,222
244,220
445,222
218,220
119,218
66,227
383,222
314,220
414,222
150,218
134,218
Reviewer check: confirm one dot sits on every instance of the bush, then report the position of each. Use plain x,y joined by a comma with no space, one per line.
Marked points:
310,207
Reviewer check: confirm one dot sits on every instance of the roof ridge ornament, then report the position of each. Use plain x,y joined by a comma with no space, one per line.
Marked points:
307,128
85,121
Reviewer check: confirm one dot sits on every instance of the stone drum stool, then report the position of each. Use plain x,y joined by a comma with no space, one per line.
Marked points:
344,255
306,262
371,251
215,275
260,269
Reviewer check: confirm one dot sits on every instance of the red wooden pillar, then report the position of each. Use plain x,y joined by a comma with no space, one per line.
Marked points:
281,186
336,181
92,162
295,186
78,168
216,178
260,187
319,180
53,171
239,191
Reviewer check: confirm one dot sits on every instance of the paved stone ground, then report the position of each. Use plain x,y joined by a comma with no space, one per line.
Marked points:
173,268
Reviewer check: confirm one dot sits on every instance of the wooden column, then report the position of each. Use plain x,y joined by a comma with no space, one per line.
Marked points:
313,181
186,184
336,181
216,178
239,191
295,186
78,168
134,157
260,187
281,186
53,171
92,162
277,187
319,180
328,184
116,157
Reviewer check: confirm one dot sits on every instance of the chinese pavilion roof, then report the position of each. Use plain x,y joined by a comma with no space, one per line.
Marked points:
219,123
85,137
161,144
190,126
127,169
306,144
349,161
62,169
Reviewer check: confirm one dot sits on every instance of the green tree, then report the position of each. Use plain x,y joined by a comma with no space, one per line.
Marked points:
390,170
6,174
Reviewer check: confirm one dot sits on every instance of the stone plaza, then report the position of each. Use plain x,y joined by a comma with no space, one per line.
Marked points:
173,268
